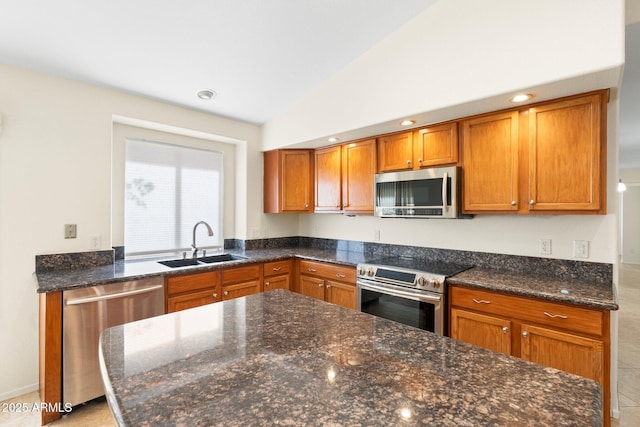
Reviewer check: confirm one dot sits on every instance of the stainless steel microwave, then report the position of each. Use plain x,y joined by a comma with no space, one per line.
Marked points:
424,193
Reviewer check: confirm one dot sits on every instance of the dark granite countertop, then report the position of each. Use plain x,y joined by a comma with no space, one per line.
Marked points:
125,270
562,290
282,358
581,292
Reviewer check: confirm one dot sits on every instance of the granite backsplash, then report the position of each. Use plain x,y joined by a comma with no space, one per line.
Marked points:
558,268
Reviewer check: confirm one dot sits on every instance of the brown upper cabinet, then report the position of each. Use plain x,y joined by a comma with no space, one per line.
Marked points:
549,158
344,177
490,163
435,145
358,170
288,181
426,147
567,157
395,152
328,179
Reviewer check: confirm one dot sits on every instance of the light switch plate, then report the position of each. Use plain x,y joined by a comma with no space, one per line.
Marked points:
70,231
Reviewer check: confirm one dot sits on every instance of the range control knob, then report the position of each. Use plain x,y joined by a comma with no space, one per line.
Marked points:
422,281
362,271
435,283
371,272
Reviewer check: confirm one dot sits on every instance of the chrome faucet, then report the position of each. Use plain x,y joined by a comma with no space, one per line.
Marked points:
193,245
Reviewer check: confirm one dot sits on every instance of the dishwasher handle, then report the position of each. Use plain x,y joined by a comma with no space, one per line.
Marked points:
87,300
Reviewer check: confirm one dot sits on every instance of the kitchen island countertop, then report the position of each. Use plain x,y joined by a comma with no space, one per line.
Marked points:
282,358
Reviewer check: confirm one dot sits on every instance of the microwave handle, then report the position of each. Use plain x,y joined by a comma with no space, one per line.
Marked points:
445,177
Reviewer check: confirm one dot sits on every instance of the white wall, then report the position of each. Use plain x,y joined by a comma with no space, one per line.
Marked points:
480,49
55,168
459,58
630,216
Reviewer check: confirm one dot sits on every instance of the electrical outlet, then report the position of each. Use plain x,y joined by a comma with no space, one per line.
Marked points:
581,249
544,246
70,231
95,241
376,235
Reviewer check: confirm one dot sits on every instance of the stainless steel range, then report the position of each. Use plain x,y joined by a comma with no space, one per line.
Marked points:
406,290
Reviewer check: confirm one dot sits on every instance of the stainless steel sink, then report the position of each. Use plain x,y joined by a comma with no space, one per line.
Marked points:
211,259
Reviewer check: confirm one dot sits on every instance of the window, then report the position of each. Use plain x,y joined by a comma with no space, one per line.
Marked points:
168,189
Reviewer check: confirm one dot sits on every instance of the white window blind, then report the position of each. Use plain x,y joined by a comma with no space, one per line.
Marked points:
168,189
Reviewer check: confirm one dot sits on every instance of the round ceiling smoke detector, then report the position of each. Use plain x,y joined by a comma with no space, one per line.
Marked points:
206,94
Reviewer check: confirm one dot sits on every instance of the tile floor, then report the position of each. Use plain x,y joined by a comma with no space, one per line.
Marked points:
629,347
98,414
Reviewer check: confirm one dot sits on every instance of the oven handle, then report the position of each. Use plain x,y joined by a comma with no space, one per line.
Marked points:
400,293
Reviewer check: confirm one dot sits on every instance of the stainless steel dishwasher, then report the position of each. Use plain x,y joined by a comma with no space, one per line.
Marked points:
86,313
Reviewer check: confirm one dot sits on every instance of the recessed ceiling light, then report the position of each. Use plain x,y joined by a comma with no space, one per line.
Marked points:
407,122
333,139
521,97
206,94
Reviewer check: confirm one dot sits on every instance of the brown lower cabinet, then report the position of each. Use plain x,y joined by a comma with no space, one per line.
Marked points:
241,281
562,336
328,282
277,275
192,290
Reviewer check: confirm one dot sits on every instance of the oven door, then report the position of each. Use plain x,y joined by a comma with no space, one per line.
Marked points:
420,309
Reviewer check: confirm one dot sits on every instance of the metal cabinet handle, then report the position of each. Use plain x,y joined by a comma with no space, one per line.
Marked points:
328,286
340,275
226,293
445,179
532,202
408,162
277,268
525,334
481,301
556,316
320,285
513,203
505,329
267,283
215,295
313,270
419,160
306,205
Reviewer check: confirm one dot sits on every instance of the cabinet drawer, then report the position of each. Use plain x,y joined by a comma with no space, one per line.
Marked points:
277,267
192,282
558,315
241,274
328,271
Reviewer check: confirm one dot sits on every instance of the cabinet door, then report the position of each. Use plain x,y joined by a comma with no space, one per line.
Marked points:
288,181
276,282
490,163
566,155
312,287
436,145
572,353
395,152
296,180
241,289
341,294
358,170
192,299
328,179
489,332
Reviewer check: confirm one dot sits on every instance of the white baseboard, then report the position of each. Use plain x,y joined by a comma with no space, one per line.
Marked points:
18,392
